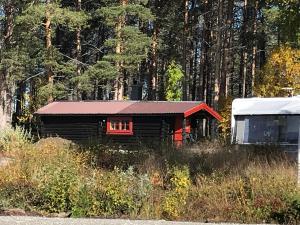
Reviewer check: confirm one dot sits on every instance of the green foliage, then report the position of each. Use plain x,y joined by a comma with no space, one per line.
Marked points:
18,195
34,15
290,214
134,8
124,192
61,181
174,82
135,46
55,183
283,17
100,71
175,200
133,43
29,28
97,42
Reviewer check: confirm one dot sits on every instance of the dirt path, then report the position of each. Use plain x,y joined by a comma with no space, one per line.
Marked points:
16,220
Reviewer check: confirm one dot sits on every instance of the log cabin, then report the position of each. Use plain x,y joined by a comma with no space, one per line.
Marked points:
126,122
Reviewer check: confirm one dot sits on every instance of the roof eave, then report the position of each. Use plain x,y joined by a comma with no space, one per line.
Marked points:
204,107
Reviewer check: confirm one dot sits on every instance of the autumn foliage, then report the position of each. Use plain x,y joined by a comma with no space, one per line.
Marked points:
282,70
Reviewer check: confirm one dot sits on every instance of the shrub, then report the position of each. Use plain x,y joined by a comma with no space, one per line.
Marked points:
19,195
111,193
49,169
123,192
83,200
55,183
14,139
52,176
60,169
179,185
290,214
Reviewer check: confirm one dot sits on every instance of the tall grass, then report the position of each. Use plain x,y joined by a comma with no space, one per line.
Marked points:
14,139
209,182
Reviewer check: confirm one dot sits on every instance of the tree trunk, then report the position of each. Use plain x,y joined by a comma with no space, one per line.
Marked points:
218,54
244,53
119,82
185,40
261,43
5,116
244,72
226,72
205,58
20,101
49,71
194,73
76,93
152,93
254,49
6,86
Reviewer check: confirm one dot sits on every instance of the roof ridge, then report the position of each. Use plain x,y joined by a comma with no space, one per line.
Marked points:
125,101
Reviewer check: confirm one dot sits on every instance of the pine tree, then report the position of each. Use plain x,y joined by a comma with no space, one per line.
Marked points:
45,17
12,58
129,46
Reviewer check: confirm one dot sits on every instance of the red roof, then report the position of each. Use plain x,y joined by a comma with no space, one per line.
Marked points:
124,108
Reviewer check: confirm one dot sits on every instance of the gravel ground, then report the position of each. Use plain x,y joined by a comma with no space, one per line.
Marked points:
17,220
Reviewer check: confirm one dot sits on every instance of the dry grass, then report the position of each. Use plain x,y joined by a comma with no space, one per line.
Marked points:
224,183
251,195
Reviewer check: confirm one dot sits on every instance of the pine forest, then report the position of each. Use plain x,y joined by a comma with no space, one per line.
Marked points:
158,50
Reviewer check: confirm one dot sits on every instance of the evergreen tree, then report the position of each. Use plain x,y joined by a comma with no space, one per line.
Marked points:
44,18
12,58
128,46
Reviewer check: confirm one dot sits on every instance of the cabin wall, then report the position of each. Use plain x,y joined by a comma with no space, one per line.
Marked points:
82,129
151,130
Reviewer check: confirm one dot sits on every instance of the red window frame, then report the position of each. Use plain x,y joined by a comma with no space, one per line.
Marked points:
121,123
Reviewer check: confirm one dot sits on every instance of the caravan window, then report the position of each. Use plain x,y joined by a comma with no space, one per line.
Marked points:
267,129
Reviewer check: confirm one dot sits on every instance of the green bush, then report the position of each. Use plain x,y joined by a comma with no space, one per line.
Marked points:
50,169
291,213
19,195
112,193
83,201
56,183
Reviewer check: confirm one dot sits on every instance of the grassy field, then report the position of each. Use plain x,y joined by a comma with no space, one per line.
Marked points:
209,182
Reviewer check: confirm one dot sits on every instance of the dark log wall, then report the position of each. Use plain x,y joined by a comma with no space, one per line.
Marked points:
151,130
83,129
146,131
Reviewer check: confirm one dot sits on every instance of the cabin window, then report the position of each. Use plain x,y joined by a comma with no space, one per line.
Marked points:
119,126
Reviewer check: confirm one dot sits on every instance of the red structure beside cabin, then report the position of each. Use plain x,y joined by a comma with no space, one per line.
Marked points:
125,122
